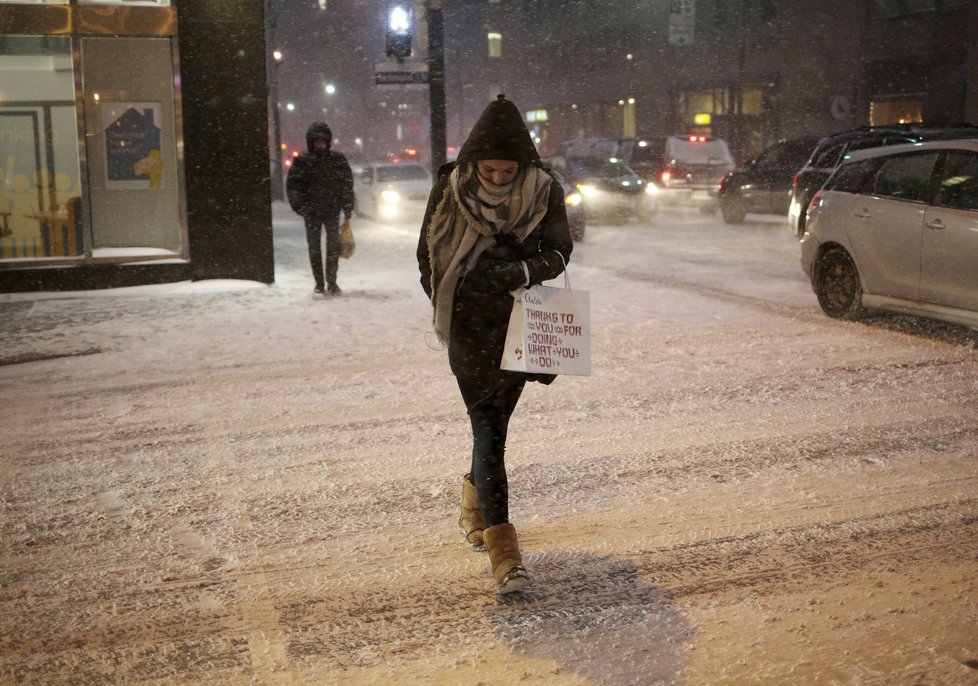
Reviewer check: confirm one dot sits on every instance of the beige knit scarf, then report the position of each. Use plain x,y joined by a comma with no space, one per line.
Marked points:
466,221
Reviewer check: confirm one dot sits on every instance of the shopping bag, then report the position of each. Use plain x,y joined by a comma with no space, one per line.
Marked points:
347,243
549,331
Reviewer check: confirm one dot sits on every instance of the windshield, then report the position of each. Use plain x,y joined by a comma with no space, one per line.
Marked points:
401,172
644,151
593,166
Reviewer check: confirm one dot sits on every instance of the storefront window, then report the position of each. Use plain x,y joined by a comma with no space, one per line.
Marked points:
130,119
40,183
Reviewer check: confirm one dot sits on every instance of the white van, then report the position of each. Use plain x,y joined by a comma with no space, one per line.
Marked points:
686,170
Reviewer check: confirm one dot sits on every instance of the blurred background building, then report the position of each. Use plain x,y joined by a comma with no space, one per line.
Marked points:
750,71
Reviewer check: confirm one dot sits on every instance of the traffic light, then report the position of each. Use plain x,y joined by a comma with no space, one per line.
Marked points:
400,31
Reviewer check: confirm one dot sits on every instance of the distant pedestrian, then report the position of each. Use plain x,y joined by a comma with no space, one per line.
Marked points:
495,221
320,187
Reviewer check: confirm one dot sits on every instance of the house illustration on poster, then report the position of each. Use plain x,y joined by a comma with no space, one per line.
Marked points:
130,140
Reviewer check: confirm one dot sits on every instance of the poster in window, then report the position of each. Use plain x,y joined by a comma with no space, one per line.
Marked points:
132,145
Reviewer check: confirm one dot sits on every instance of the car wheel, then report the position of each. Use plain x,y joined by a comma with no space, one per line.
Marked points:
732,211
837,285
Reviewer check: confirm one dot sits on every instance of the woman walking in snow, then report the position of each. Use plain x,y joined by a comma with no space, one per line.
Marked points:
495,221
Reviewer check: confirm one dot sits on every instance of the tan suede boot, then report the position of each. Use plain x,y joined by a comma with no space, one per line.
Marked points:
471,522
504,554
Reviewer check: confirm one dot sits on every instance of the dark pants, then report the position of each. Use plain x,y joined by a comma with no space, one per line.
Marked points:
489,412
314,227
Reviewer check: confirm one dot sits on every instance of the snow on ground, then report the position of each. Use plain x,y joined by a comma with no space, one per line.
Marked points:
233,483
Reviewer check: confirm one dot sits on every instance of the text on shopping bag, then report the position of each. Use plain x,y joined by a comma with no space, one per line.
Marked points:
549,332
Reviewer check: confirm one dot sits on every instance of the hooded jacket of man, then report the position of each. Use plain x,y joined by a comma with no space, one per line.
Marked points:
480,314
320,183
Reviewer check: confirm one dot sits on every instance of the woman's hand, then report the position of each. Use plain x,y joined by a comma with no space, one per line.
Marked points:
506,276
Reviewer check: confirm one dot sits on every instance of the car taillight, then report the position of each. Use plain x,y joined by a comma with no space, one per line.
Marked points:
794,182
816,199
665,175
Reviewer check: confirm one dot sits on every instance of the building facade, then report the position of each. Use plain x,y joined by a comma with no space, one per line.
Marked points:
750,71
133,143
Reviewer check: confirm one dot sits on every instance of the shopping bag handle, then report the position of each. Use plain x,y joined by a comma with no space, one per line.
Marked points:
564,262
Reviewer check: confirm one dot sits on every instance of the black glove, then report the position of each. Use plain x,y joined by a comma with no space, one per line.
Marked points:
506,276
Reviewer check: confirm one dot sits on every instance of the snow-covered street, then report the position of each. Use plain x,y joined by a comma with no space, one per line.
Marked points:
232,483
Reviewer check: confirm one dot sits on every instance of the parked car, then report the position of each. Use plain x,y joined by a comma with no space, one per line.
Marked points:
390,191
833,149
896,228
573,200
685,170
610,189
763,184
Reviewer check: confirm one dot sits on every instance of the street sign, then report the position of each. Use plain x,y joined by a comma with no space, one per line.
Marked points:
397,74
682,22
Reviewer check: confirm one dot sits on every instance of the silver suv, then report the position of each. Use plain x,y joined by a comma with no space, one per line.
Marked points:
896,228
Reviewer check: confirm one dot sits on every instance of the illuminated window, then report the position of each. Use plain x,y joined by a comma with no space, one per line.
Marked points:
895,112
495,44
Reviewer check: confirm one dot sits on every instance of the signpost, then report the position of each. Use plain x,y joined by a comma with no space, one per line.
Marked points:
401,73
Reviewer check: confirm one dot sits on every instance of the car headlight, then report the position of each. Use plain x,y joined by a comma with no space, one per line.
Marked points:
573,199
587,191
651,189
390,197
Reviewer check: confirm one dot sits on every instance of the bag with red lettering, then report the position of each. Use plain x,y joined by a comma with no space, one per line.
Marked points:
549,331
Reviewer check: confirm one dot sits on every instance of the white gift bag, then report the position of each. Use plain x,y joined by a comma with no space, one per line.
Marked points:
549,331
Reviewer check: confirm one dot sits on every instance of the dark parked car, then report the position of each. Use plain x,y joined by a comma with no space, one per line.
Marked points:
763,184
832,150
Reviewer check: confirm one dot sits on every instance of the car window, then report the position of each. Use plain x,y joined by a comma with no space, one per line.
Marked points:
401,172
829,156
906,177
863,143
853,177
792,153
593,166
959,181
698,152
647,152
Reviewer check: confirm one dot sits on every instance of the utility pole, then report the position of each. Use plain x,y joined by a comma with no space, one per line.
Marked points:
436,82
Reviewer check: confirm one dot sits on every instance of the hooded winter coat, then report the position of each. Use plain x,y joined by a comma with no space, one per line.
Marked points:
320,183
481,315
